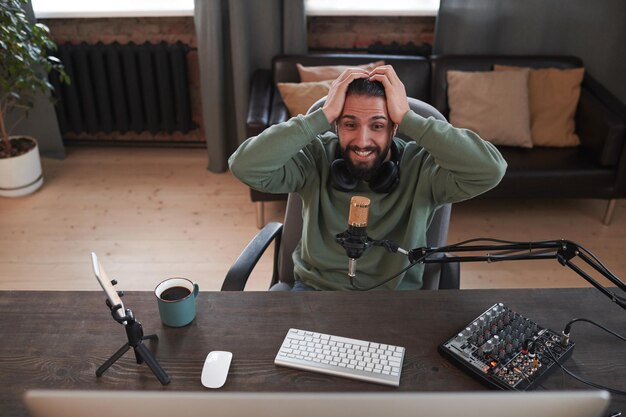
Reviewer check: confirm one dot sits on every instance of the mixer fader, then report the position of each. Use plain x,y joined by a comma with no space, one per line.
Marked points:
507,350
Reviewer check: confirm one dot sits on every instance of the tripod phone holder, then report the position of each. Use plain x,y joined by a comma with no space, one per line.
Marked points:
134,330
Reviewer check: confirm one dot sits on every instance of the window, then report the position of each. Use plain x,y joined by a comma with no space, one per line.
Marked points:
45,9
372,7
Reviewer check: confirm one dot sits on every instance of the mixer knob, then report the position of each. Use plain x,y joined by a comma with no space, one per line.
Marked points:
480,339
515,343
460,337
508,348
467,332
474,326
501,354
488,347
482,321
500,324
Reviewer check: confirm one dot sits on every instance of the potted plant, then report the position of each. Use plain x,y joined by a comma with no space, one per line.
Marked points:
24,68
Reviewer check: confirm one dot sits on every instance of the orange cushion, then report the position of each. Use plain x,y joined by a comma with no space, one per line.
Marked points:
492,104
553,96
299,97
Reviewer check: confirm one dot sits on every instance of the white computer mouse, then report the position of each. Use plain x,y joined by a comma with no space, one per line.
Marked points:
215,369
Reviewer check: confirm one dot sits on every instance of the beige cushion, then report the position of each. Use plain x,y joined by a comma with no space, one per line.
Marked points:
298,97
553,94
330,72
492,104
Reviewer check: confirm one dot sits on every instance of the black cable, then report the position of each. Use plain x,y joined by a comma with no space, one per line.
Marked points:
568,326
584,381
588,252
490,239
382,282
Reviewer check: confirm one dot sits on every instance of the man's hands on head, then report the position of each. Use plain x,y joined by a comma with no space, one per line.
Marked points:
397,102
337,93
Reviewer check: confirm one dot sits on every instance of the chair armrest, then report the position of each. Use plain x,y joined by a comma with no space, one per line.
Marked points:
240,271
600,128
441,275
259,103
450,276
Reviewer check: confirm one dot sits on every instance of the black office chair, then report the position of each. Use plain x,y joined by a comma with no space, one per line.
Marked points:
287,235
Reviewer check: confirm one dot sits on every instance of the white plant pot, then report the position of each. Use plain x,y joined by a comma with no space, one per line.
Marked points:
21,175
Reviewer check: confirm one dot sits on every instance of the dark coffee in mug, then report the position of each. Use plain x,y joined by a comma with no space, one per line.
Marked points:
175,293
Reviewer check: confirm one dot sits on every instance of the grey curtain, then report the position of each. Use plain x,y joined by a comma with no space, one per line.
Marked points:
236,37
595,31
41,122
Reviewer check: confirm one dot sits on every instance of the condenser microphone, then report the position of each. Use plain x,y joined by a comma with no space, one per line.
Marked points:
355,240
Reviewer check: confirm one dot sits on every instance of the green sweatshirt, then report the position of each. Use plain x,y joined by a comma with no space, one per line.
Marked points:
441,165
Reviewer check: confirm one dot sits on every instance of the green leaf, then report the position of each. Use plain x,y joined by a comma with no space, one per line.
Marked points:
24,64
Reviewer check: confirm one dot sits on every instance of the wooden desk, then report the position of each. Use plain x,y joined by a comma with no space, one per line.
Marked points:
59,339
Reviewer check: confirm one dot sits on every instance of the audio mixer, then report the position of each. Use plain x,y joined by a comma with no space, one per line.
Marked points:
506,350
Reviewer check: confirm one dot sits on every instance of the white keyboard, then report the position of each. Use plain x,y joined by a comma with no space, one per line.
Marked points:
341,356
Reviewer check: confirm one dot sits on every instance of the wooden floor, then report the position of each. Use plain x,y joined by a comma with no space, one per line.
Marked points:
151,214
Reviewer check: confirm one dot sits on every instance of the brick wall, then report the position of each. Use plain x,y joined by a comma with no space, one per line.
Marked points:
325,34
359,32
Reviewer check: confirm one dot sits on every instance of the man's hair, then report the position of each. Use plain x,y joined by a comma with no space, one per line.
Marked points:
365,87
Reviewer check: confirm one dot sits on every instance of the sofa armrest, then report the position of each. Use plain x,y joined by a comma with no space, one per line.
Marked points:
600,129
278,112
259,104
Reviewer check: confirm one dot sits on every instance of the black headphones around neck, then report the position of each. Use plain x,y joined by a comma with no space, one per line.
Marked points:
385,179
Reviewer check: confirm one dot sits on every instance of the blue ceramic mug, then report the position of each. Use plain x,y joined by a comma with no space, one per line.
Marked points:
177,301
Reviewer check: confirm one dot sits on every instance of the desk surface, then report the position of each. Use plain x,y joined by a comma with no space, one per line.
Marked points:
58,339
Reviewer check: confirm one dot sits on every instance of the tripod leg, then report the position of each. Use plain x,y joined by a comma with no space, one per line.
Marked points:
149,337
112,359
142,351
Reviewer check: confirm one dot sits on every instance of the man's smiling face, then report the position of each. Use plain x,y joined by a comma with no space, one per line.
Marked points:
365,132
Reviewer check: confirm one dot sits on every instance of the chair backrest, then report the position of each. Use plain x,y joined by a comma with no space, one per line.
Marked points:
436,235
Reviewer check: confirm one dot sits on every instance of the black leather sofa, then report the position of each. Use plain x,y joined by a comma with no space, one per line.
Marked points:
595,169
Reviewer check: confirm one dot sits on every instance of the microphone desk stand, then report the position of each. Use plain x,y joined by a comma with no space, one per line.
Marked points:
564,251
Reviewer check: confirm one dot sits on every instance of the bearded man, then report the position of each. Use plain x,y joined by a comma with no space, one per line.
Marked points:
406,181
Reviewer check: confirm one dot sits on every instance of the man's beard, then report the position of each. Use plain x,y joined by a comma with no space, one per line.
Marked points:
364,171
